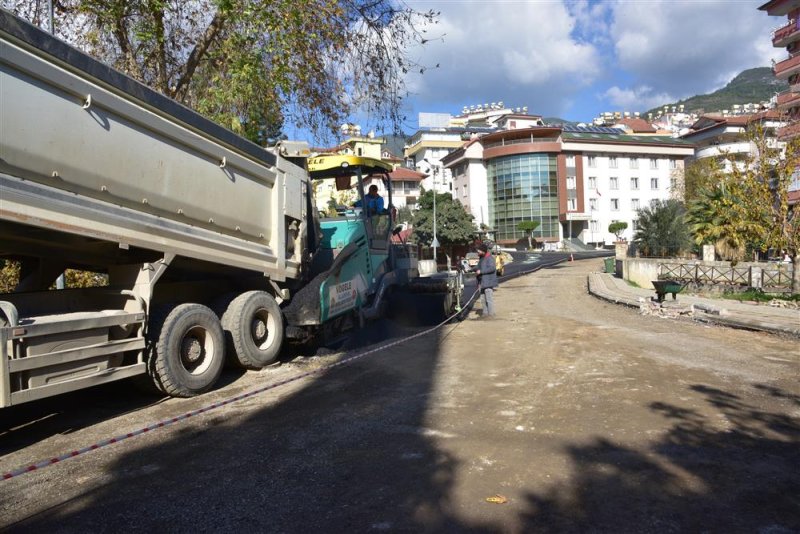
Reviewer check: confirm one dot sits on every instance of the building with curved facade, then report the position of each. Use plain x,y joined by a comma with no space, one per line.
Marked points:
574,181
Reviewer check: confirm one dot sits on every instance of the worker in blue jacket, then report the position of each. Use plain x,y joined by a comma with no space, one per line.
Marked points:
486,272
373,201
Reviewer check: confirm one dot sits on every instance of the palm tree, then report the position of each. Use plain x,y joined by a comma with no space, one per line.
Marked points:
712,219
662,229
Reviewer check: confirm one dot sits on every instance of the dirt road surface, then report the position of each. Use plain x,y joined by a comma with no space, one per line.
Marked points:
566,414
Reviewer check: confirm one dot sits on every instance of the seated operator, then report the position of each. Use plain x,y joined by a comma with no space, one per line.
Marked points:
373,200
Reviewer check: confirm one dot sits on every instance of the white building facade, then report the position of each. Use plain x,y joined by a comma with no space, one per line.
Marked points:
469,180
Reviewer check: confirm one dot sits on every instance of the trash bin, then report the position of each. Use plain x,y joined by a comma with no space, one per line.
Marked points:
611,265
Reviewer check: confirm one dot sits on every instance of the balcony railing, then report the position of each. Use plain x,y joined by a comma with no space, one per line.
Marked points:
783,69
524,140
788,132
788,98
779,36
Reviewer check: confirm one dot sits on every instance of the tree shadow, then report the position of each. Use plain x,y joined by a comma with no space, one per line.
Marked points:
733,469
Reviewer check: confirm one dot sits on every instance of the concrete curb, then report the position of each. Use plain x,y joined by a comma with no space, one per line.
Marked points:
704,313
598,288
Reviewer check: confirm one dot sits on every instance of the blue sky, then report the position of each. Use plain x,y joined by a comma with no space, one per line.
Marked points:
575,59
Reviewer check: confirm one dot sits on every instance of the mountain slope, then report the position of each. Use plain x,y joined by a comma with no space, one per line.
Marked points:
752,85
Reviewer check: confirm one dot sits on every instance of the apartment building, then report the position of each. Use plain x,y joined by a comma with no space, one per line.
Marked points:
788,102
442,133
724,136
469,180
574,180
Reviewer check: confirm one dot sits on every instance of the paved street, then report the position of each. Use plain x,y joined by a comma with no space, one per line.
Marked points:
566,414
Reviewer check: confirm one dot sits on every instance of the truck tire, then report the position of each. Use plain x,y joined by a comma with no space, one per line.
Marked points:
189,351
253,324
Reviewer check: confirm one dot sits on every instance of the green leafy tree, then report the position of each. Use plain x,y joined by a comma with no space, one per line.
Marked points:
405,214
528,227
454,225
698,176
251,64
9,275
662,229
747,208
617,227
760,184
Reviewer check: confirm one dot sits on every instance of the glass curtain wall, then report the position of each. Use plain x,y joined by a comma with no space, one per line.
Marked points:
523,188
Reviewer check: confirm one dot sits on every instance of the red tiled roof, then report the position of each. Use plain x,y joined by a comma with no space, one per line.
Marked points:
404,173
717,119
637,125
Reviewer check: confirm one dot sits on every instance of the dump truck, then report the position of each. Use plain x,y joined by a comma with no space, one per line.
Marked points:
208,247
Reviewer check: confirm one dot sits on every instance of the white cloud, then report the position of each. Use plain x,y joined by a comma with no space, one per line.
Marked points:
638,98
523,53
686,48
576,58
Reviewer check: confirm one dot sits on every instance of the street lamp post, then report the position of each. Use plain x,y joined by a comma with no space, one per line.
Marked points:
434,171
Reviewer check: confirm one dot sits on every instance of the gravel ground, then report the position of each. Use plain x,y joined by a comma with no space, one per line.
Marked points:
565,414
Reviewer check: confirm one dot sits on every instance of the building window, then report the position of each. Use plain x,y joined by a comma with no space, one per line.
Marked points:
613,182
594,226
673,163
570,182
612,162
653,163
592,204
464,192
570,161
634,203
634,163
592,161
614,204
654,183
673,184
572,204
593,182
634,225
524,187
634,183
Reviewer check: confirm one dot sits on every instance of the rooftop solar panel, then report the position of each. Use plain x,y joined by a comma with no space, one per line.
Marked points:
592,129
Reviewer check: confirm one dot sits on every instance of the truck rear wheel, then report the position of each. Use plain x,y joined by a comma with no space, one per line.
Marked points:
189,351
254,324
